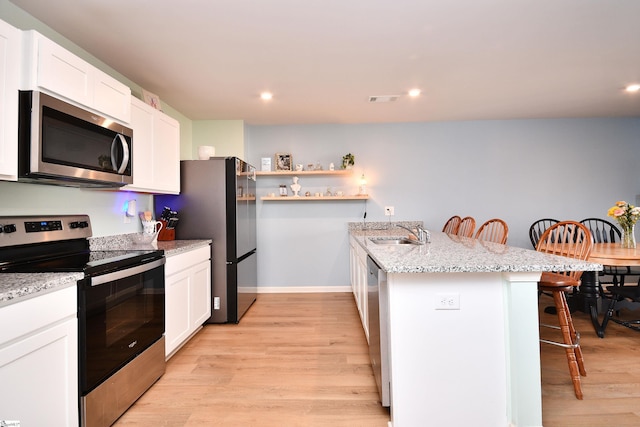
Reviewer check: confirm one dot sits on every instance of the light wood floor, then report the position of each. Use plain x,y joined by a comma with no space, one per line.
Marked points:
301,360
612,385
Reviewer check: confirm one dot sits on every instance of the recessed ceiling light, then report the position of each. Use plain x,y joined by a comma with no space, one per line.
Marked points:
632,88
266,96
414,92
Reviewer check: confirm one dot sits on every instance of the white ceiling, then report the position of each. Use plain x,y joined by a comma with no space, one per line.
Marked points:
322,59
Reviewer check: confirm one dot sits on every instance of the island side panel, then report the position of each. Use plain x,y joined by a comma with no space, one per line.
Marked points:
448,367
523,358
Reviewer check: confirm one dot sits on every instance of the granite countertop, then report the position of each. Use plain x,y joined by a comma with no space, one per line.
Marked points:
123,241
454,254
15,287
174,247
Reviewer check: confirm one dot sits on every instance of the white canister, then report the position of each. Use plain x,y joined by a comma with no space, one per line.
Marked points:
206,151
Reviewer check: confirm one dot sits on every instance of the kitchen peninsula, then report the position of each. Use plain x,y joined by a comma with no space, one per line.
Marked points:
460,320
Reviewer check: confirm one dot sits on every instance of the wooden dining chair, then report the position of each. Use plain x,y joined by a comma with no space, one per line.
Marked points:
539,227
494,230
466,227
452,224
573,240
622,297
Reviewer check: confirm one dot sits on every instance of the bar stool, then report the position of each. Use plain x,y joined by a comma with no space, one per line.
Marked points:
573,240
494,230
452,224
467,226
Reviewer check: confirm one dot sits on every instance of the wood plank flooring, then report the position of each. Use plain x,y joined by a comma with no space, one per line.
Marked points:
301,360
612,385
293,360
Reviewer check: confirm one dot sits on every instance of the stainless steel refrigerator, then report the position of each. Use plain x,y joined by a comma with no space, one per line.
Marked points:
218,201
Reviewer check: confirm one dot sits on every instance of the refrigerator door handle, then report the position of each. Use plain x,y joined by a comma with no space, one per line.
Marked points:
243,257
247,255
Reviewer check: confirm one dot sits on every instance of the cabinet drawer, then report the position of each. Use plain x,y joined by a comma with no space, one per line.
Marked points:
182,261
36,313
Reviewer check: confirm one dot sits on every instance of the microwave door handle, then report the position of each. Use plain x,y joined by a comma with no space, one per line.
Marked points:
125,157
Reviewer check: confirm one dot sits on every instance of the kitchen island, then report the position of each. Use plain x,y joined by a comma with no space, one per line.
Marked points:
461,322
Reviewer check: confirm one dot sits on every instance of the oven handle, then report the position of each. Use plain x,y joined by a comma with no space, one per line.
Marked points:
121,274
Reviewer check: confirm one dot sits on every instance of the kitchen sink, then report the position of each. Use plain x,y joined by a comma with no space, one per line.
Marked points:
393,241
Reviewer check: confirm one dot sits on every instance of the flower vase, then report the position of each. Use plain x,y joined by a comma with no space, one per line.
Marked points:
628,237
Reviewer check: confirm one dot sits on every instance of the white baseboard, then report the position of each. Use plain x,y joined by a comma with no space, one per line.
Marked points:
301,289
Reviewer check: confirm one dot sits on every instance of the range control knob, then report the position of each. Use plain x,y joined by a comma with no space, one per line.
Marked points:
9,228
78,224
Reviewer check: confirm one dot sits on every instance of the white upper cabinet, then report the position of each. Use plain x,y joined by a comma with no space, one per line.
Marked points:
156,150
51,68
10,46
111,97
166,165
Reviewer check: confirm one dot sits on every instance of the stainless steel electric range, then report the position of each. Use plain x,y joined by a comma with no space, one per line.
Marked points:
120,307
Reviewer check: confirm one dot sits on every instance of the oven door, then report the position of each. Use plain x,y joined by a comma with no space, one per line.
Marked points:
120,315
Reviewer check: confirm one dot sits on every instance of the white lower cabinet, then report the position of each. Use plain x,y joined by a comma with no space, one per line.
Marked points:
39,360
359,274
187,296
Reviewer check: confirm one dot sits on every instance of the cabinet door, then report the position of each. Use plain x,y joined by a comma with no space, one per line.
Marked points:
9,83
142,125
359,276
111,97
156,150
166,148
201,294
61,72
39,376
177,322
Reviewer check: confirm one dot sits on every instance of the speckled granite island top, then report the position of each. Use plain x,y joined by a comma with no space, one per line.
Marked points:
454,254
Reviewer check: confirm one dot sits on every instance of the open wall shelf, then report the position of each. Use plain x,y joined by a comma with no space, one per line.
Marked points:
303,173
311,198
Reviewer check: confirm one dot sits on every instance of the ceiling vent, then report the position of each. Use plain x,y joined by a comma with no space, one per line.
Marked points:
384,98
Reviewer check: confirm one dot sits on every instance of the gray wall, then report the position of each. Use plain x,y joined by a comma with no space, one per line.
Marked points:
103,207
518,170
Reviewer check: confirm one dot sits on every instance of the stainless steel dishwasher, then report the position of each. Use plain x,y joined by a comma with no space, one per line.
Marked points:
378,323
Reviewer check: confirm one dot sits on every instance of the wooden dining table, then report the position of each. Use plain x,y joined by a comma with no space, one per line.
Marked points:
610,254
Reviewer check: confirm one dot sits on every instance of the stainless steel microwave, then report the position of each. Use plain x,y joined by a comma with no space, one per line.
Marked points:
59,143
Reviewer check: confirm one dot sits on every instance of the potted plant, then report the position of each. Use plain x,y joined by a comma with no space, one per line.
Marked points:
348,160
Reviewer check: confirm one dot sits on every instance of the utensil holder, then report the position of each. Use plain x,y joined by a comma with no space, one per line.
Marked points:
166,234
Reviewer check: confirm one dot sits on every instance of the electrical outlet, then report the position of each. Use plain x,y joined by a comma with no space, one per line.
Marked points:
448,301
216,303
389,211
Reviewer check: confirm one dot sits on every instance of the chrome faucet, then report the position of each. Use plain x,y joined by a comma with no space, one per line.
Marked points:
422,234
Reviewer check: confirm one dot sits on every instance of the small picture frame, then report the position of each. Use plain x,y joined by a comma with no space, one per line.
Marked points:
151,99
283,161
266,164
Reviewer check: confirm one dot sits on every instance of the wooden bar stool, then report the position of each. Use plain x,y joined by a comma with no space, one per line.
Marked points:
573,240
452,224
467,227
494,230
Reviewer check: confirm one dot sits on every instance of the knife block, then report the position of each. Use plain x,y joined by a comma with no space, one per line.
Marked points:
166,234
